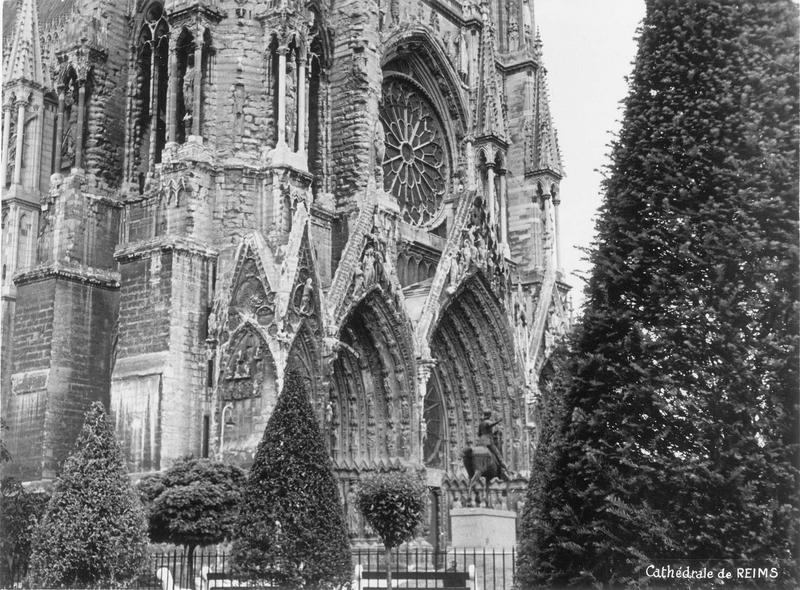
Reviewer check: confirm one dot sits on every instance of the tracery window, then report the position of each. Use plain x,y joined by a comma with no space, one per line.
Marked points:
415,163
433,434
151,90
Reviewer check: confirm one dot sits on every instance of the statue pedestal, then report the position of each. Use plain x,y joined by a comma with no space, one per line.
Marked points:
483,528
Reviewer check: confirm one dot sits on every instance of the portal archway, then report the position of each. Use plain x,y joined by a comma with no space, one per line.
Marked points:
373,385
475,371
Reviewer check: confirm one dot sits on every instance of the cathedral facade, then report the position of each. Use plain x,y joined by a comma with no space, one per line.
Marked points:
201,195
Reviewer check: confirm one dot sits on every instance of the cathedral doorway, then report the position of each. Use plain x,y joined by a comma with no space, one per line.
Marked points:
475,372
373,385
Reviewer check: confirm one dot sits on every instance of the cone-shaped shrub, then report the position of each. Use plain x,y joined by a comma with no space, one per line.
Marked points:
94,531
291,529
678,437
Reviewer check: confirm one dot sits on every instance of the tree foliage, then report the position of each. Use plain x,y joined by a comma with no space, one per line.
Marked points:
291,528
193,503
93,531
20,510
393,503
679,431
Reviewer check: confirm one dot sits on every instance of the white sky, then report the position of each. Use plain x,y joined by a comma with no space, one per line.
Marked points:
588,48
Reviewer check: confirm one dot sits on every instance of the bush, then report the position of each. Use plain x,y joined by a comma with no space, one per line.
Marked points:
93,531
291,529
194,503
20,511
393,503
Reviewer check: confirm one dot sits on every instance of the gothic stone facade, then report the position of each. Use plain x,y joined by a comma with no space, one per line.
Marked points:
201,195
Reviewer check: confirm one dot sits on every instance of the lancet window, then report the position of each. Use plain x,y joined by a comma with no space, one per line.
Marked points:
189,64
150,99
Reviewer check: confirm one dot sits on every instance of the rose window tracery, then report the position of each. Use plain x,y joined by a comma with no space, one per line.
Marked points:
415,166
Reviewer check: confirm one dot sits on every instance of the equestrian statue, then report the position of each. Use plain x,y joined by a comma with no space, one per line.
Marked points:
484,460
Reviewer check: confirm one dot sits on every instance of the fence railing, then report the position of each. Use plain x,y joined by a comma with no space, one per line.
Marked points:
493,569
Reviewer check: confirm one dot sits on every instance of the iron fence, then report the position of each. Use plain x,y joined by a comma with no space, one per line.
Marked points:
492,569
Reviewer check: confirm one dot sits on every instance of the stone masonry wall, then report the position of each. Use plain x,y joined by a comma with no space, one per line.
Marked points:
106,109
239,59
62,359
356,83
145,299
184,381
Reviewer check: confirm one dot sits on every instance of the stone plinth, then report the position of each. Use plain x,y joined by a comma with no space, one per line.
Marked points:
483,527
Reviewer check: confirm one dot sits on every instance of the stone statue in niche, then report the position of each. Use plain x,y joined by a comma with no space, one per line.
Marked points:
527,19
454,272
68,137
370,410
304,297
368,267
358,278
513,35
405,411
237,95
463,57
291,99
353,514
448,45
12,154
188,98
378,151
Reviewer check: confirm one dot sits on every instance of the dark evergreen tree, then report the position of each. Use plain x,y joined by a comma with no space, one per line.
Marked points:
679,430
20,511
291,528
93,531
193,503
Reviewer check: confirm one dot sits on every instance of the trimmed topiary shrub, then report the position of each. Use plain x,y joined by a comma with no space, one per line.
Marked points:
393,503
93,531
291,529
193,503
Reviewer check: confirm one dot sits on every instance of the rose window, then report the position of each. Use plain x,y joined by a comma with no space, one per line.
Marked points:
415,160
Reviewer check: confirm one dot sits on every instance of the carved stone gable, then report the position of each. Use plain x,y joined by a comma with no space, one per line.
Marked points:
250,297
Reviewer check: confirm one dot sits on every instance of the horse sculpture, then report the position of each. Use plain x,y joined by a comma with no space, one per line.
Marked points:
480,462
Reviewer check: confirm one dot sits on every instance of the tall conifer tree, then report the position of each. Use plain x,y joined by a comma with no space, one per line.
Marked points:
291,529
679,429
94,532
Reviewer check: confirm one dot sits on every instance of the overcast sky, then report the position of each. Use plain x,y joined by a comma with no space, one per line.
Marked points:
588,47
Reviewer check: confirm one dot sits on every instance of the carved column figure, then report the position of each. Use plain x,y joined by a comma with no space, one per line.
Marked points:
154,75
503,208
59,125
301,98
282,50
172,89
490,196
198,81
80,124
6,137
21,104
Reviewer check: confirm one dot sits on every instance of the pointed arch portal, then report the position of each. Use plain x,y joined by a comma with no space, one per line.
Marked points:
373,385
475,371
